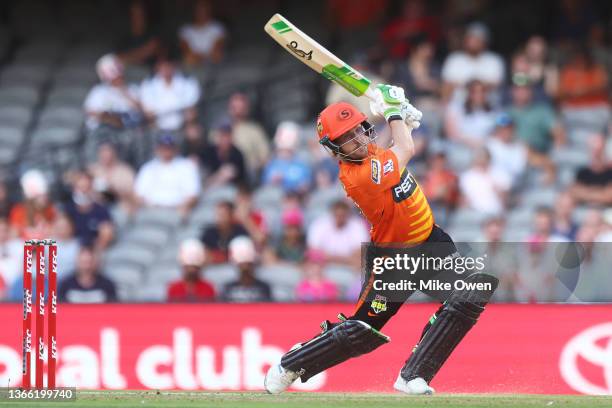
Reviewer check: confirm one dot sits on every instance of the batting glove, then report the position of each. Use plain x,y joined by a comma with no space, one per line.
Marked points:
388,102
412,116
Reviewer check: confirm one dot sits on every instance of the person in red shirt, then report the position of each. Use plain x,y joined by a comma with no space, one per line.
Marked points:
191,288
379,182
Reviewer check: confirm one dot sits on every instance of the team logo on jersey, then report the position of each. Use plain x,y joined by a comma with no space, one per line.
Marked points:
375,171
388,167
405,188
379,304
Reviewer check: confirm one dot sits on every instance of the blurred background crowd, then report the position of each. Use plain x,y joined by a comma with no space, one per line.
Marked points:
169,147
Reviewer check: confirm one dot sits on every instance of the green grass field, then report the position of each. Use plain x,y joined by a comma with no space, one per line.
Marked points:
88,399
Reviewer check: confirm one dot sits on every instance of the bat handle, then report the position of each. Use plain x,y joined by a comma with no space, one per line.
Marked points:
369,93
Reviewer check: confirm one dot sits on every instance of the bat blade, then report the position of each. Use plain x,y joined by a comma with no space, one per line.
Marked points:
317,57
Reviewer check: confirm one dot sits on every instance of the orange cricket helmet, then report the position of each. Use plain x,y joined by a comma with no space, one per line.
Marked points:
337,119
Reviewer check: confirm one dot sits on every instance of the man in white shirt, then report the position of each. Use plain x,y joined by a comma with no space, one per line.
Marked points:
484,188
474,62
168,180
203,40
508,155
169,98
112,102
339,235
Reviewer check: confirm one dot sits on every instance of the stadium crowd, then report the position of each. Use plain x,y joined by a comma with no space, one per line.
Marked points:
239,204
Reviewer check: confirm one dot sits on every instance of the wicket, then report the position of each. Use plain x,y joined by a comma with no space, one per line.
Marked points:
31,248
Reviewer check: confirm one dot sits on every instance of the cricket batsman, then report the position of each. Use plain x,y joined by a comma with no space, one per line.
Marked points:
379,183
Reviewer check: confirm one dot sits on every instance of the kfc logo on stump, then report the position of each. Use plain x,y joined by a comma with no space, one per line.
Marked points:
586,357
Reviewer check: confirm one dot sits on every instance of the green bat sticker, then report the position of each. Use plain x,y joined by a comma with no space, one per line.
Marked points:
347,78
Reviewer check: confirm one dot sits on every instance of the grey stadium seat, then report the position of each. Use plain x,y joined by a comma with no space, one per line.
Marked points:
11,136
67,96
33,75
341,275
8,155
54,137
203,216
324,198
146,235
19,95
18,116
122,273
267,196
163,273
280,274
220,275
539,197
282,293
133,254
61,116
162,217
214,195
466,217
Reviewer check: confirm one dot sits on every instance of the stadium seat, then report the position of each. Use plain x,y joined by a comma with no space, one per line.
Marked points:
342,275
59,116
67,96
267,196
212,196
539,197
324,198
466,217
520,217
282,293
202,216
55,136
280,274
134,254
11,136
220,275
8,155
146,235
24,74
168,218
17,116
124,273
163,273
19,95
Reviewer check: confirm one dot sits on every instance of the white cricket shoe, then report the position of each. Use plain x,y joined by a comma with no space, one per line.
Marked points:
278,379
417,386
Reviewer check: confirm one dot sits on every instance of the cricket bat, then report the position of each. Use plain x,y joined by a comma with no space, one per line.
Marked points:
313,54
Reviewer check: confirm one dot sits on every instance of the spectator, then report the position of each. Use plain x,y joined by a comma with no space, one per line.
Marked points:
112,102
315,287
247,288
5,201
414,19
543,229
474,62
536,124
583,91
112,178
92,221
501,259
248,135
203,40
420,74
33,217
593,184
286,169
441,188
344,15
216,237
168,180
484,188
141,44
471,122
563,223
338,235
508,155
67,245
251,219
169,98
542,73
291,246
194,142
86,285
223,162
11,252
191,287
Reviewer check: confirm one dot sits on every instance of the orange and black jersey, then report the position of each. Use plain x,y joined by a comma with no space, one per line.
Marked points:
389,198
